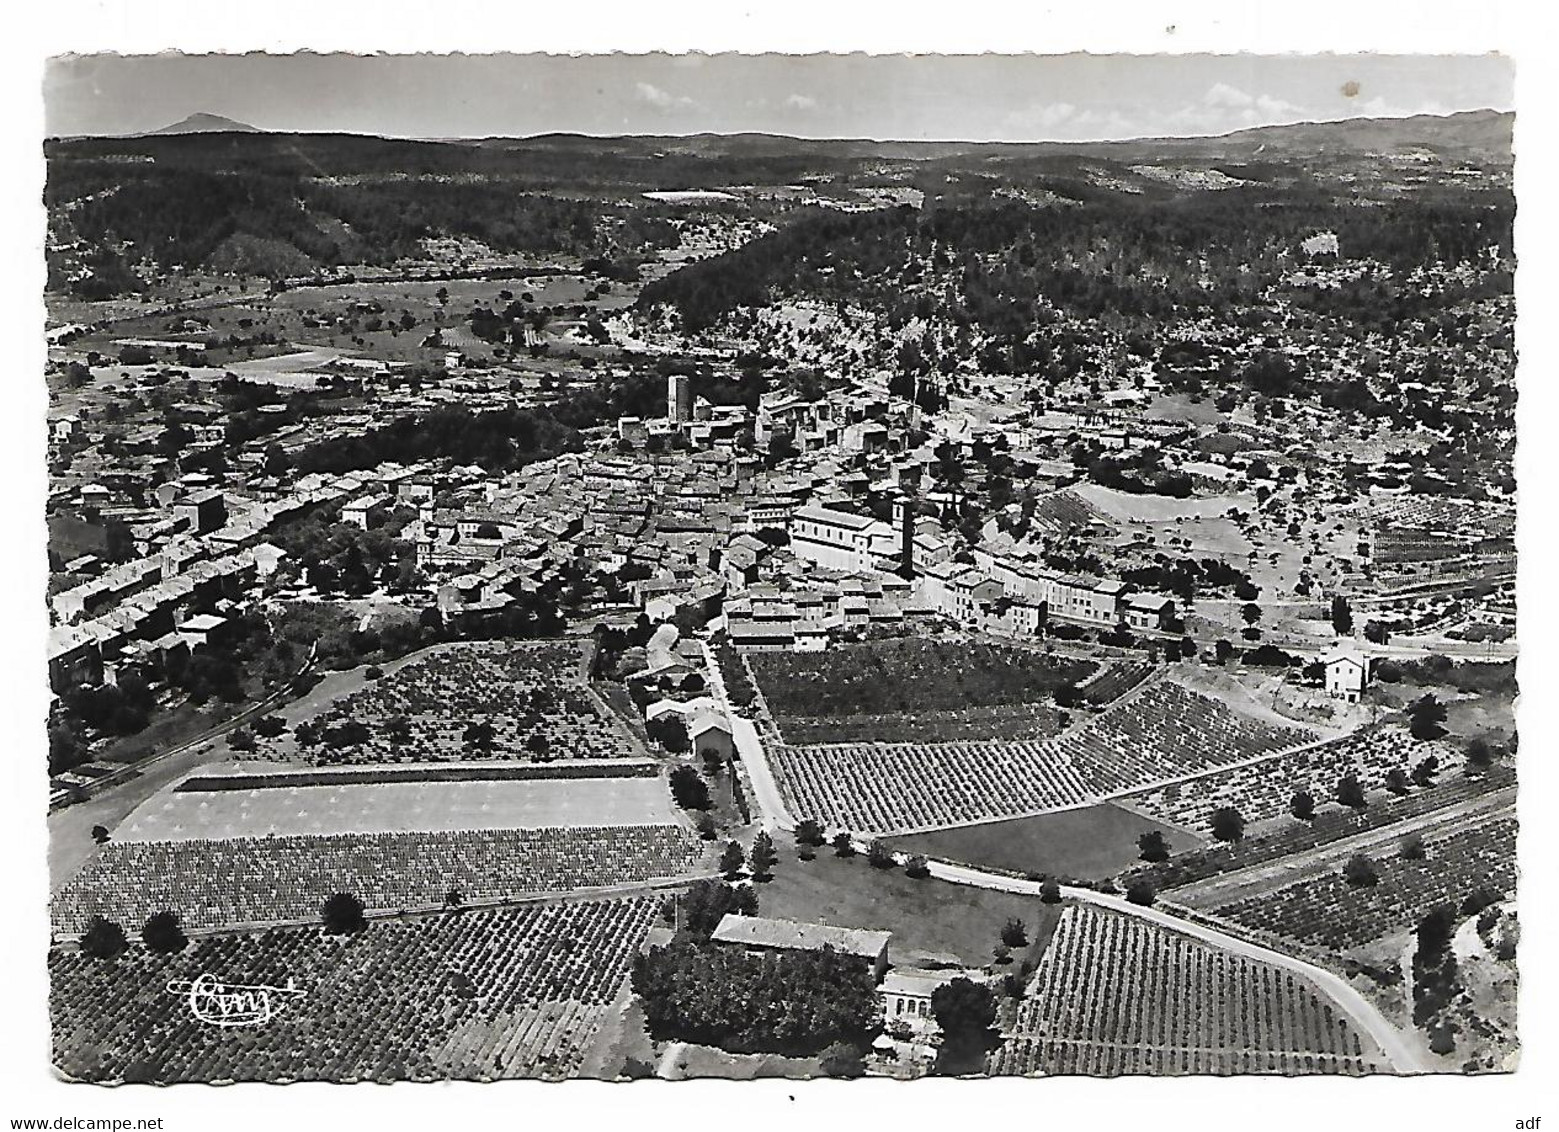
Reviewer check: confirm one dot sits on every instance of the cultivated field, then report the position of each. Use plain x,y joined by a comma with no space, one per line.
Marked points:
534,697
1117,995
1330,912
1162,732
1264,790
1331,824
328,802
514,992
1087,843
912,689
999,721
269,880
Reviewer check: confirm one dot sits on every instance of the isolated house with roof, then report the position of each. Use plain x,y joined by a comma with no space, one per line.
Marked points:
1347,674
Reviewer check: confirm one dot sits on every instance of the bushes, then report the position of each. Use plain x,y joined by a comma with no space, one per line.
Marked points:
917,867
1152,847
1360,871
808,832
879,856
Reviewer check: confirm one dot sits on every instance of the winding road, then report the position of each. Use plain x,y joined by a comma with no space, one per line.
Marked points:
1401,1052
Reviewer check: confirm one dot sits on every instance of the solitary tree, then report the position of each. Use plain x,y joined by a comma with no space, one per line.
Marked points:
689,790
880,856
1425,716
1152,846
479,736
1014,933
1342,617
100,834
103,938
1480,756
163,934
1412,848
763,857
343,914
917,867
1426,769
1141,892
1302,805
1360,871
733,860
1396,780
1350,792
965,1011
844,845
808,832
1250,612
1228,824
1050,892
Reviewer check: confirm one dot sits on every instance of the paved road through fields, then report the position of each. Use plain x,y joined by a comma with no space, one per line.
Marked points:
1400,1052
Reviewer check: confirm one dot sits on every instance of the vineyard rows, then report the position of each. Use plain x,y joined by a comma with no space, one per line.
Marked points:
217,883
514,992
1164,731
1115,994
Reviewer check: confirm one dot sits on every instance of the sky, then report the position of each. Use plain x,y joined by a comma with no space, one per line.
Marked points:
901,97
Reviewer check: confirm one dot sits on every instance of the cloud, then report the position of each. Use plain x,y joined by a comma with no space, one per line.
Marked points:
1226,97
801,102
659,98
1044,117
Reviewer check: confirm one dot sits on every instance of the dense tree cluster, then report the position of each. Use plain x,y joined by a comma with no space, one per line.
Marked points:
789,1002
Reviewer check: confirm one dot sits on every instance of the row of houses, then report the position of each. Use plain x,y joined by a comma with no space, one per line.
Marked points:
171,614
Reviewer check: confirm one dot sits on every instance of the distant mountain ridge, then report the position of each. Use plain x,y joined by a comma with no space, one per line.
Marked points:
203,123
1486,133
